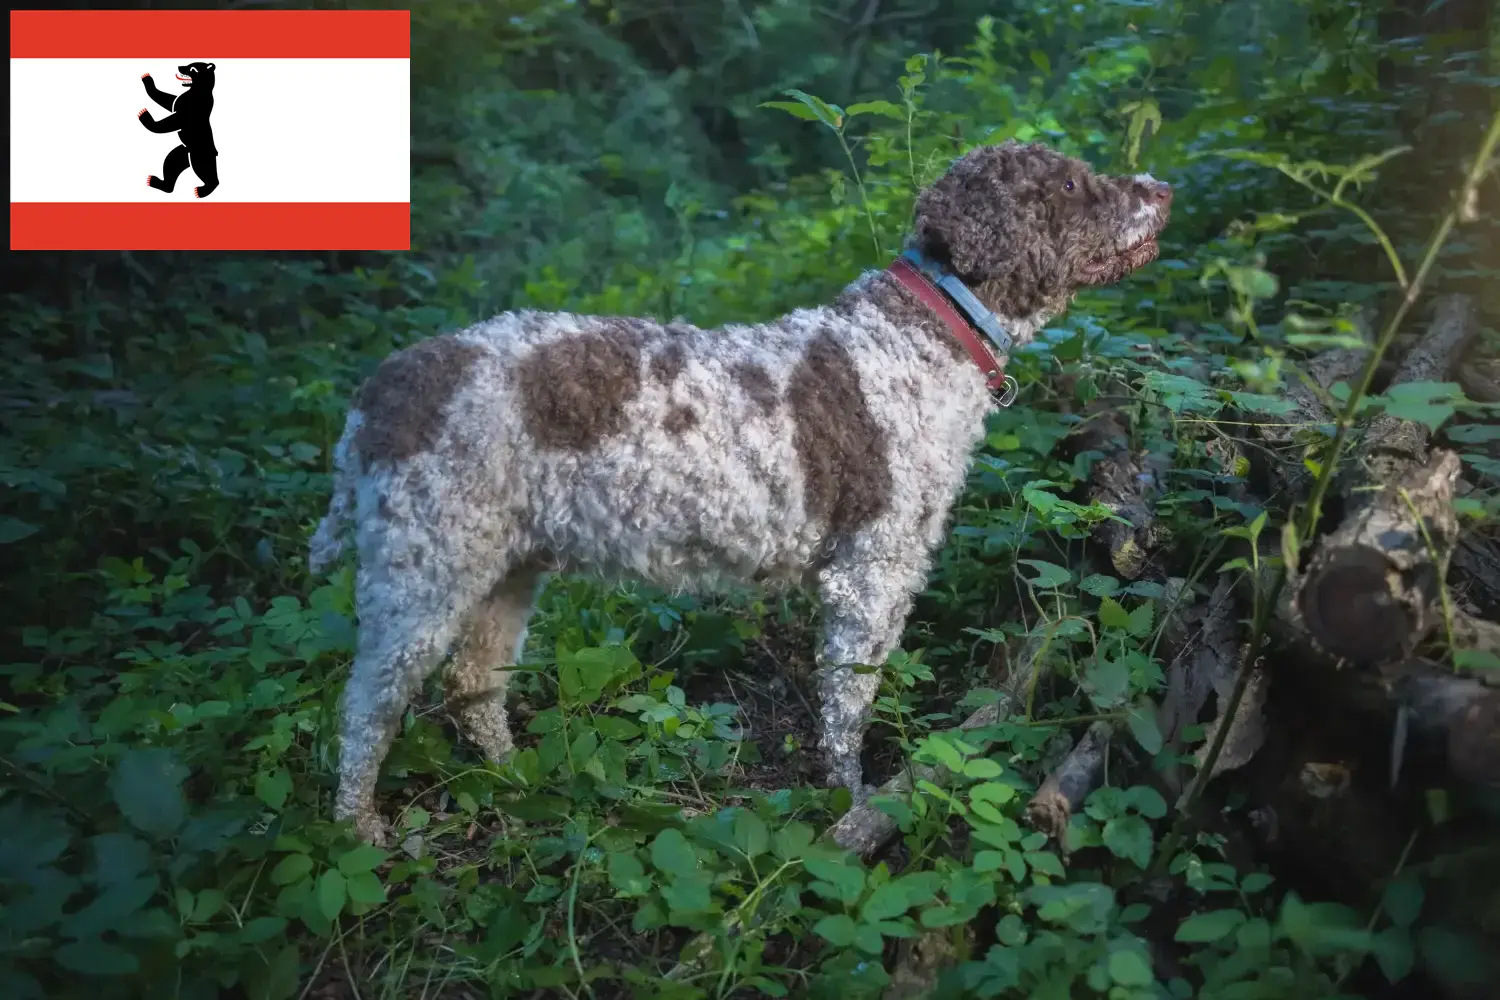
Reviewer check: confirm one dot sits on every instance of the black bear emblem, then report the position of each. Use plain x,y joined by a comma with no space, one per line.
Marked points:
189,119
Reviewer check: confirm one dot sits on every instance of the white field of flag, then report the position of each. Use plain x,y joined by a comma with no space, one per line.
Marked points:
311,130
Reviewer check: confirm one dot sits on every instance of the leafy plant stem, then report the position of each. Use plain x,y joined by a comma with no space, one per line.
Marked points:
859,182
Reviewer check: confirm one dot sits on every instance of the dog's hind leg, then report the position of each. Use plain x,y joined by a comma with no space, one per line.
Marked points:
493,640
396,653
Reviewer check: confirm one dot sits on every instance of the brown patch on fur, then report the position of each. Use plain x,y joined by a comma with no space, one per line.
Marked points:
574,392
680,420
842,449
756,382
405,401
668,363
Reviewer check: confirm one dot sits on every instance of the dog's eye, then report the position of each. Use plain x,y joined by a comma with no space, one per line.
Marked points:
1068,185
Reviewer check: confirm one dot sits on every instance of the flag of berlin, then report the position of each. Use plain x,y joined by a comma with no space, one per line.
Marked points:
210,130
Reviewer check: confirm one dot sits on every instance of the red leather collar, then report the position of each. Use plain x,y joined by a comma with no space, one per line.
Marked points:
992,367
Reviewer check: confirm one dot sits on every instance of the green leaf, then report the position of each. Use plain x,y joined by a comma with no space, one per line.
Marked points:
1113,615
1128,967
1129,837
988,861
612,727
688,894
627,875
997,792
1394,953
1458,956
829,114
1402,899
366,888
1142,722
981,768
1476,659
290,868
1045,862
1049,575
838,930
93,957
273,787
750,834
867,939
13,530
1099,585
886,902
1206,928
845,882
1255,882
331,893
1141,619
1473,433
671,853
147,786
1146,800
792,108
885,108
791,841
1108,681
945,753
1427,403
276,978
364,858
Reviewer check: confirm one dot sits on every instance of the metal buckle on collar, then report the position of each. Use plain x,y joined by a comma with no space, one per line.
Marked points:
1007,394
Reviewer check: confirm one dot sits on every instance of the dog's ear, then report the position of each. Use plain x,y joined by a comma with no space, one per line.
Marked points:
974,218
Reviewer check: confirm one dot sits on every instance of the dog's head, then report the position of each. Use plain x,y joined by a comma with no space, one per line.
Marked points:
197,74
1025,226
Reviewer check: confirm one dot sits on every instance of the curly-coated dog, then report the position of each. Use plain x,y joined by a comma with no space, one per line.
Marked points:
823,448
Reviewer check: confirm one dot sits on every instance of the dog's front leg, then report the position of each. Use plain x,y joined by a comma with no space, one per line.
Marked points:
862,625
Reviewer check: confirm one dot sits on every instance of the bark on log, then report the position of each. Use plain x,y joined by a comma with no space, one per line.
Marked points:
1065,789
1463,709
1203,637
1126,483
1285,433
1477,633
1369,593
1393,446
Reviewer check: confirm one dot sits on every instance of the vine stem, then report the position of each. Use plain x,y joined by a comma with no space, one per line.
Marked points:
1313,511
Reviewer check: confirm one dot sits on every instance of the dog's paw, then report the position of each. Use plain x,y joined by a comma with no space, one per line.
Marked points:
368,826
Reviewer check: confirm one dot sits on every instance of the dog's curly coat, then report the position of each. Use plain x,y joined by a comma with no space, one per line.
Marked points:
823,448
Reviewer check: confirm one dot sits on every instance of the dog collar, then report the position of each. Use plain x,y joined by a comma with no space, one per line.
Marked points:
975,327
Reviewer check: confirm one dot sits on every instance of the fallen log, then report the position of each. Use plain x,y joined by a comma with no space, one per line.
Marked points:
1125,482
1370,592
1463,710
1065,789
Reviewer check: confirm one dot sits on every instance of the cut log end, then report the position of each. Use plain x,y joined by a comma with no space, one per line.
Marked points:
1356,608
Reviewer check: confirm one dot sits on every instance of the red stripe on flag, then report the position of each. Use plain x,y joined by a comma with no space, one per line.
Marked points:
240,225
210,34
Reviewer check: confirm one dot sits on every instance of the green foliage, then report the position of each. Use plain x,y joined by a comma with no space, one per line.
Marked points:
171,686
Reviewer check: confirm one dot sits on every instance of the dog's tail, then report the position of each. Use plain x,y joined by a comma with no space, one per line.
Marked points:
327,543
